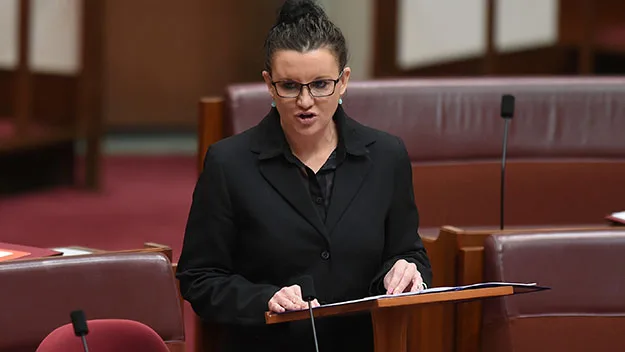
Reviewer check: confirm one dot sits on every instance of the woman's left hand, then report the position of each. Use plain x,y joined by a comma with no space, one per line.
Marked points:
403,277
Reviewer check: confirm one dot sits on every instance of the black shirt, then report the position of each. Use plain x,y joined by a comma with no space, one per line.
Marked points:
319,185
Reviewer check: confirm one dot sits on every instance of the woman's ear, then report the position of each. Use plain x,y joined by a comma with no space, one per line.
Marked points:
267,79
345,79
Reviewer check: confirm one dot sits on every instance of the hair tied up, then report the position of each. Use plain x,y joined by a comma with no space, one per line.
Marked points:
294,10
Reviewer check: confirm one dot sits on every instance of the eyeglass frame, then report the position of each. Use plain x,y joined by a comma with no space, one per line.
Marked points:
302,85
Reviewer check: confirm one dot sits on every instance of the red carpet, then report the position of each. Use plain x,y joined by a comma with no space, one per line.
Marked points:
143,199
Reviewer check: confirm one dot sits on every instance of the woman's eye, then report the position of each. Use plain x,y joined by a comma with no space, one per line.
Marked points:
320,84
289,85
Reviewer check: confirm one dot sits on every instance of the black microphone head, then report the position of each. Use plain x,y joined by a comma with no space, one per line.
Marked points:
507,106
308,288
79,322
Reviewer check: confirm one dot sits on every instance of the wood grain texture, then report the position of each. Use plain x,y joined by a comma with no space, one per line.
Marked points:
161,57
581,25
382,303
210,130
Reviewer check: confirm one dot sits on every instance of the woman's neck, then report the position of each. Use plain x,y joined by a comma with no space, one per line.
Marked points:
314,146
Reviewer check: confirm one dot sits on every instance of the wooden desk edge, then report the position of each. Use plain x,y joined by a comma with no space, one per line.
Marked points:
439,297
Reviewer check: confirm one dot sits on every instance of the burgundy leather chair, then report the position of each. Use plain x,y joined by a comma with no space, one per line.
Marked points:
38,295
105,335
566,151
583,311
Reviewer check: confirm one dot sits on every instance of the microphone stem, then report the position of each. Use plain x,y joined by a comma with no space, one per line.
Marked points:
84,343
312,321
503,175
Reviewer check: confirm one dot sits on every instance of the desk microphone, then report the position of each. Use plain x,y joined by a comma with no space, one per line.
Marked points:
507,112
79,322
308,294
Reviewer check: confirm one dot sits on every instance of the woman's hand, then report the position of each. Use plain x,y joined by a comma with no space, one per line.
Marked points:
289,298
403,277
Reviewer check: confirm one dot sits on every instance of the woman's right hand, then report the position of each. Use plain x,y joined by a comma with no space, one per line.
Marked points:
289,298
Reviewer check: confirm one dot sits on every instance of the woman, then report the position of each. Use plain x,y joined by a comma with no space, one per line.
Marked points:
308,191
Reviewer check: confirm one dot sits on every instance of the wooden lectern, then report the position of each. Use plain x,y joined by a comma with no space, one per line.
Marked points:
390,316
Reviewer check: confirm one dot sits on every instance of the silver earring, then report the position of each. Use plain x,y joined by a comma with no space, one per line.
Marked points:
340,101
273,104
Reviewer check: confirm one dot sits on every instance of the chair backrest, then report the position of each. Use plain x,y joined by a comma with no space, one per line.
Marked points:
105,335
584,310
459,119
567,133
38,295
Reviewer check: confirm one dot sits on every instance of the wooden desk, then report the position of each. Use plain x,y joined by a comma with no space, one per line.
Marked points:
391,316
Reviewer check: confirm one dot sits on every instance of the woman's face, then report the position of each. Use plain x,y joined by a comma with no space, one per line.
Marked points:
306,110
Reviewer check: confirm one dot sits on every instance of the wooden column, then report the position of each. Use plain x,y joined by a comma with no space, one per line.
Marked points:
586,63
23,91
490,57
90,88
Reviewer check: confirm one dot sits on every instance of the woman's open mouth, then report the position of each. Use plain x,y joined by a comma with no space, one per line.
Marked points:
306,115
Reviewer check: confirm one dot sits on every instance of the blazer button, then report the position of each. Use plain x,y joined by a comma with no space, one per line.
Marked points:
325,255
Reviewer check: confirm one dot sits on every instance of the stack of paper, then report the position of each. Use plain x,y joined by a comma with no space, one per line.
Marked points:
6,255
445,289
617,217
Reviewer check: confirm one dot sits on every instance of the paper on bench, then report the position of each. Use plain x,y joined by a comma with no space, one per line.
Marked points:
437,289
71,251
620,215
6,255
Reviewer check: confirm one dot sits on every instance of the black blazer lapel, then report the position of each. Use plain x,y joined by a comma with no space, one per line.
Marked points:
347,182
285,179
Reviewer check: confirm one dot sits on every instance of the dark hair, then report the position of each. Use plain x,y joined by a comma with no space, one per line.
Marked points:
302,25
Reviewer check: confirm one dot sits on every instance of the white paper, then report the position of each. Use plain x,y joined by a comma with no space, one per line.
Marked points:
71,251
620,215
5,254
434,290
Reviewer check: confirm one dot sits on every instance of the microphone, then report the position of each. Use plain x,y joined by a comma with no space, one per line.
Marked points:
308,294
79,322
507,112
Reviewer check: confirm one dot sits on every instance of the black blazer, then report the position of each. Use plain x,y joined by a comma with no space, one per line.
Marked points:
253,229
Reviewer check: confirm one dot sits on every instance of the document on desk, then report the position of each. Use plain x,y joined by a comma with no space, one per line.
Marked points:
617,217
517,286
68,251
6,255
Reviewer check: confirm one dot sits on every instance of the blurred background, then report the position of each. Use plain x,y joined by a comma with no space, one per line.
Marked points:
99,99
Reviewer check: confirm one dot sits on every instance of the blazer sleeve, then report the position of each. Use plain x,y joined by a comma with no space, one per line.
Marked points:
206,268
402,222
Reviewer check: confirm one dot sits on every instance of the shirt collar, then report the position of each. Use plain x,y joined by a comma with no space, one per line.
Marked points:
272,142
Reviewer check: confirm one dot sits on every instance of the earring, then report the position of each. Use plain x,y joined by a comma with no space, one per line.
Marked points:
273,104
340,101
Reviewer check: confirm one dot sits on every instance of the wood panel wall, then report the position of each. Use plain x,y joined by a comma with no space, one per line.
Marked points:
161,57
567,57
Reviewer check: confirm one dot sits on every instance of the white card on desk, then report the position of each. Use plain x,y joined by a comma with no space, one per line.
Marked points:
439,289
620,215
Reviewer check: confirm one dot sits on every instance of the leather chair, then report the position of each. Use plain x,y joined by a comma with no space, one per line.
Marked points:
39,294
584,310
105,335
566,135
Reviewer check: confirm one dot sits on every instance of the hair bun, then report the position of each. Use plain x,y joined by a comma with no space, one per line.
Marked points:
293,10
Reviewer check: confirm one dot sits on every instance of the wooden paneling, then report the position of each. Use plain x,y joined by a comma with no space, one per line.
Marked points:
573,54
53,97
161,57
573,14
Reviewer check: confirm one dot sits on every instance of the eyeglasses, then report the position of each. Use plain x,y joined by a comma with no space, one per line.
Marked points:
319,88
